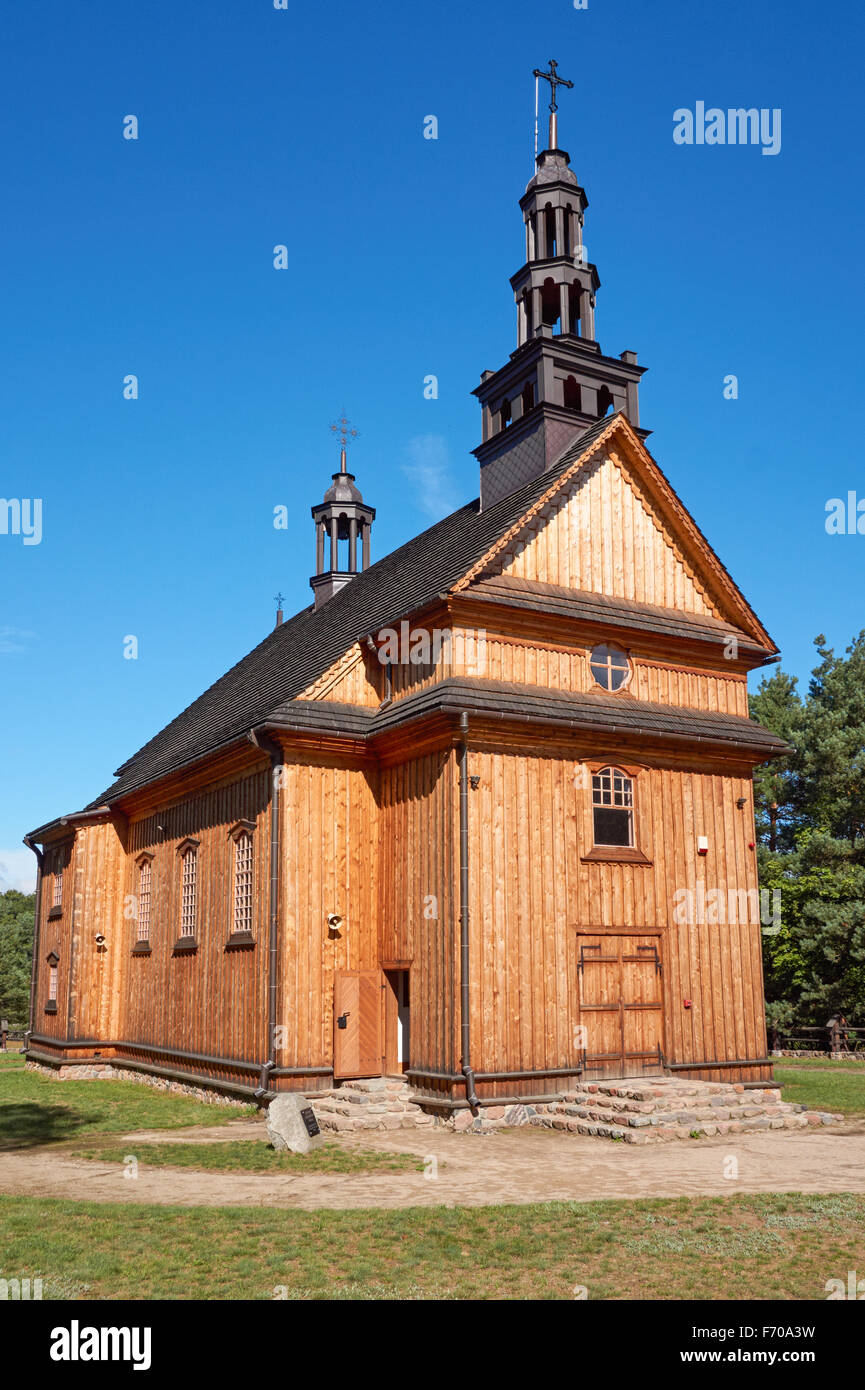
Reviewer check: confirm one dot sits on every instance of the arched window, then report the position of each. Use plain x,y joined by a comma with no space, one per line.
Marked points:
53,963
550,228
574,301
188,890
613,807
504,414
145,887
571,394
610,667
605,400
551,302
243,883
528,397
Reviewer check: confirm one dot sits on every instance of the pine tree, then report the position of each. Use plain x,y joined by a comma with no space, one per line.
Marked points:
16,953
778,706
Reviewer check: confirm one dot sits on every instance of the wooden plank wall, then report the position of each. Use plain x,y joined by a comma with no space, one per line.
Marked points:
212,1001
55,934
330,830
97,910
419,862
603,536
530,822
558,667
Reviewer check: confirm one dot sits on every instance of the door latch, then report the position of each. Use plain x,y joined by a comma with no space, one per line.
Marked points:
341,1022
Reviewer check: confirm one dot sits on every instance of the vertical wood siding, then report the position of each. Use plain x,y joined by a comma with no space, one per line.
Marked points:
603,536
531,894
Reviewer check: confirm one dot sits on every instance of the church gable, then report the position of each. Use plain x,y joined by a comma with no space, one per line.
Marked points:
348,681
611,524
601,535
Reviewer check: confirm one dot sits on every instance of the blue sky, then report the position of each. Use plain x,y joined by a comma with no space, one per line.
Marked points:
303,127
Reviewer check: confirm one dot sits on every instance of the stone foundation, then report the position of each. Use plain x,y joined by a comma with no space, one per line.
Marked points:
105,1071
635,1112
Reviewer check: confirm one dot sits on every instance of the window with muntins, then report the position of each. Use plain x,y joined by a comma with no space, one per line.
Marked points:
52,983
189,873
57,887
145,879
610,667
613,807
243,883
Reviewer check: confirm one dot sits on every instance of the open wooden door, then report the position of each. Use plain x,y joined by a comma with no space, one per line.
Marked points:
357,1020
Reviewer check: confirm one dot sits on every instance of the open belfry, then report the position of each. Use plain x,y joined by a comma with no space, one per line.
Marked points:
444,840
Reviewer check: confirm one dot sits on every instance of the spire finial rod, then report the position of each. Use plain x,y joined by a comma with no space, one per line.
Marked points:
555,81
345,431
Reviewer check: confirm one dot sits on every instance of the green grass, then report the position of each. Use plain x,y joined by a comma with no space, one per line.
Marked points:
37,1110
11,1059
821,1064
758,1247
253,1156
836,1087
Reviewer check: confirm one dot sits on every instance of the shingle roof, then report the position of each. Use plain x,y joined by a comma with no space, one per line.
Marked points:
292,656
592,711
576,604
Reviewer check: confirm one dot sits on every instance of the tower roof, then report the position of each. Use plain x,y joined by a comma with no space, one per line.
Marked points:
553,167
343,489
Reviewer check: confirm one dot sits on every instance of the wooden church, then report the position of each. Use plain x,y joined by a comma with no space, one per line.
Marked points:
441,824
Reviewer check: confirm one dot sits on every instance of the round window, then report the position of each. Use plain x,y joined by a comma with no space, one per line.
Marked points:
610,667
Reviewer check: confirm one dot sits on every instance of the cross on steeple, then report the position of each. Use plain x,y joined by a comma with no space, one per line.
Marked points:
345,432
555,81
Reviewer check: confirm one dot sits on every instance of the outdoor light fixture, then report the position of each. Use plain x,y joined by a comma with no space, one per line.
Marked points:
702,844
334,921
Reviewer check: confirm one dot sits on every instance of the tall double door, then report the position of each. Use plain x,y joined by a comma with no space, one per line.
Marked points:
621,999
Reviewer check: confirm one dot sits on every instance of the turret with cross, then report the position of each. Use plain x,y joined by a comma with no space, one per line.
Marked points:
342,525
558,383
555,81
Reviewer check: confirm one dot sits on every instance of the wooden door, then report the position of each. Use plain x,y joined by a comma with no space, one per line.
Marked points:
621,1005
357,1031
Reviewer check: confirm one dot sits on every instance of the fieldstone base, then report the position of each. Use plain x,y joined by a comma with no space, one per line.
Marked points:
104,1071
377,1103
639,1112
634,1111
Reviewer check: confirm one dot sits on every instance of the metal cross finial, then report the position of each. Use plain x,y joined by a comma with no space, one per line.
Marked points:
554,81
279,599
344,429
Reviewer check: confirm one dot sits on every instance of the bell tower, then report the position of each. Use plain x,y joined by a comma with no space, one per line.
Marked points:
558,382
342,523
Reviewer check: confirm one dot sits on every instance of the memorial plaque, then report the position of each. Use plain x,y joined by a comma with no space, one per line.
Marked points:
308,1117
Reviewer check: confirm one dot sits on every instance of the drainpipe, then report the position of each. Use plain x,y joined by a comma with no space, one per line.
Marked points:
277,762
465,1001
40,861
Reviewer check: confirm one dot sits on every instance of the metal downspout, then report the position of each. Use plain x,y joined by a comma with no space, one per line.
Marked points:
40,860
465,1000
277,762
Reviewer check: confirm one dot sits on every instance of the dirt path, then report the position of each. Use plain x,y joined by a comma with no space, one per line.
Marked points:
519,1166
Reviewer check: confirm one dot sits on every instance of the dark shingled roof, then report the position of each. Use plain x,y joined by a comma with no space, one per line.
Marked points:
292,656
592,711
575,604
295,654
